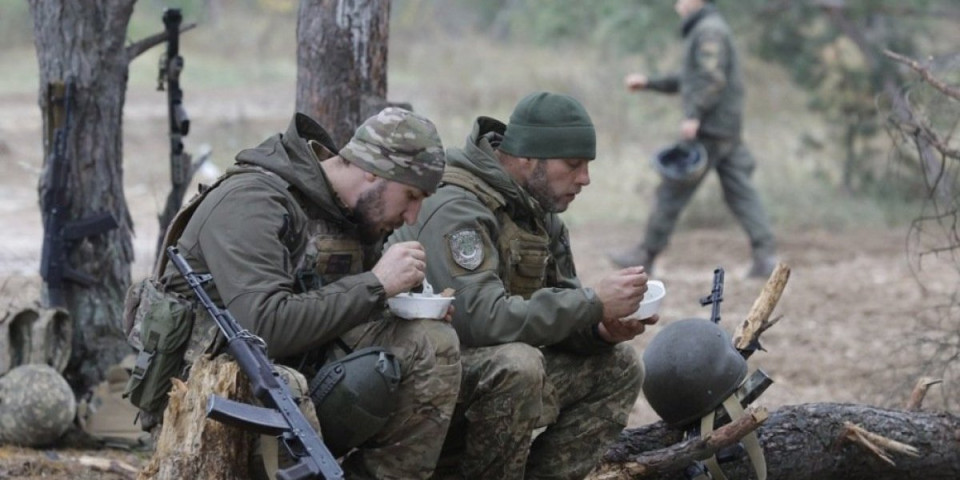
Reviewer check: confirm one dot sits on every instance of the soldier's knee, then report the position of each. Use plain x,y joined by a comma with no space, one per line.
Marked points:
628,367
437,338
520,366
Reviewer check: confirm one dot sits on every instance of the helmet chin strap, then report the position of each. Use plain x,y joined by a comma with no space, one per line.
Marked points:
750,442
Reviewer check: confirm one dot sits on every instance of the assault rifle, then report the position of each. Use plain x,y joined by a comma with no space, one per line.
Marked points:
716,295
59,231
171,64
281,416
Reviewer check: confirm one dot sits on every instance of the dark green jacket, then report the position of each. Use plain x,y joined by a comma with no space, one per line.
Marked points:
250,234
709,81
562,314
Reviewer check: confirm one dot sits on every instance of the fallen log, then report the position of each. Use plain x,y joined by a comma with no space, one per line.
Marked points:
812,442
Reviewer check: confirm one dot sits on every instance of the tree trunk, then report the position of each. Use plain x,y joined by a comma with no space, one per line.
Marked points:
190,445
85,41
806,442
342,62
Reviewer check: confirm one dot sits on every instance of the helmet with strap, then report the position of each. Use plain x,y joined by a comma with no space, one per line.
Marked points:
692,369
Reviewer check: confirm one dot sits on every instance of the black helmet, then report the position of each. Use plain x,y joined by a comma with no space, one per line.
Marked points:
682,162
691,368
355,396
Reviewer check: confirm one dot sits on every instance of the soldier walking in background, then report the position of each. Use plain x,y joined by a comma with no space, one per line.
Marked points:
712,92
538,349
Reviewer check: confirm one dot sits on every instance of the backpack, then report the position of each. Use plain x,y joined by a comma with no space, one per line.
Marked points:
31,334
107,417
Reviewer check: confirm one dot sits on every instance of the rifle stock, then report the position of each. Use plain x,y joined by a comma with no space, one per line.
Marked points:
314,459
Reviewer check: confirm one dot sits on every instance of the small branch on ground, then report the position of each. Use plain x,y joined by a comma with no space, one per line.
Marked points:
879,445
683,453
920,392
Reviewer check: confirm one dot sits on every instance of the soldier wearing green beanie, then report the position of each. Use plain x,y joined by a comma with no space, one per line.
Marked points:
538,348
291,236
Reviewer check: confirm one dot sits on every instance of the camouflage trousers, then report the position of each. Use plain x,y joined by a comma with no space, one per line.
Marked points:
429,355
509,390
734,165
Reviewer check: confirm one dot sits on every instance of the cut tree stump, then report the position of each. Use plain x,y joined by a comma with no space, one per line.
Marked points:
192,446
810,442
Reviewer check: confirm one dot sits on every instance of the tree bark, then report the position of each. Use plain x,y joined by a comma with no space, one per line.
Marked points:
190,445
808,442
342,62
85,41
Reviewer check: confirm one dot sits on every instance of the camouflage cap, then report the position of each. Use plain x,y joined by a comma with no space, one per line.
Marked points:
36,406
398,145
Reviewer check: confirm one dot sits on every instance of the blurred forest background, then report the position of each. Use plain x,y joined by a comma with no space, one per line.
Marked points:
833,153
817,108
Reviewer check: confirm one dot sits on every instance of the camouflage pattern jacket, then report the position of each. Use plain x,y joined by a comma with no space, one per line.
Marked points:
466,250
709,80
256,234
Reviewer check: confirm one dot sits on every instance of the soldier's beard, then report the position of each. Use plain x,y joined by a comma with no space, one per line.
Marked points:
539,188
369,215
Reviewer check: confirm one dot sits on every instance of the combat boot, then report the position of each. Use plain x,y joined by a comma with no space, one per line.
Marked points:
637,255
763,266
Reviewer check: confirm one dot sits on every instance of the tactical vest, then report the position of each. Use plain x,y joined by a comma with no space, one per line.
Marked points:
330,255
524,254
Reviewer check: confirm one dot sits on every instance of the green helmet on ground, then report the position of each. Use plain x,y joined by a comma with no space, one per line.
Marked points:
683,162
355,397
691,368
36,406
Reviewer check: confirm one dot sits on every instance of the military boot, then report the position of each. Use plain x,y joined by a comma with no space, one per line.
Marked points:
637,255
763,266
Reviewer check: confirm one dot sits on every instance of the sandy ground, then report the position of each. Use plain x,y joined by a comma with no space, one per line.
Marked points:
850,313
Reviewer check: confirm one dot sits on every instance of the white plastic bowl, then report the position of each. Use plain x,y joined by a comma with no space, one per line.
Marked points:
417,305
650,304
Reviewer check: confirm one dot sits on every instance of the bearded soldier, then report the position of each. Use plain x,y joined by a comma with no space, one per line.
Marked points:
538,349
291,236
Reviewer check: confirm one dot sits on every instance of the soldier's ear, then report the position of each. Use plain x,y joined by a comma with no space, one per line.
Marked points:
369,177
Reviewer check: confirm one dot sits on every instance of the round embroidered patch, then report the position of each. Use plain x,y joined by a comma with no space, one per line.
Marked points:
466,248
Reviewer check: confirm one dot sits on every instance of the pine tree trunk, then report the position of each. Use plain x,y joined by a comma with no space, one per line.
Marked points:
342,62
85,41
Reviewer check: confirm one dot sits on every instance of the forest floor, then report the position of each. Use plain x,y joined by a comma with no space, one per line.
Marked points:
851,313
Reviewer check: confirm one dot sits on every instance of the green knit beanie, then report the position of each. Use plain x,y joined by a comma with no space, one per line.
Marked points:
550,125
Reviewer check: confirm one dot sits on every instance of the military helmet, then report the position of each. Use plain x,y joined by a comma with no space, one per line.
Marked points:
355,396
683,162
36,405
691,368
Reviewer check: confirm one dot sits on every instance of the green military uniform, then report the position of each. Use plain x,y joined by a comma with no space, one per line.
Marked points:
530,353
712,91
287,262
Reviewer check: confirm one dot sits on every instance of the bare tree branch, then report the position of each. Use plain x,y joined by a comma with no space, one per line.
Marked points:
135,49
924,72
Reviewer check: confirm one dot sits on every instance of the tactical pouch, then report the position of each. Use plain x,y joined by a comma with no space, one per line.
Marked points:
159,325
527,258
